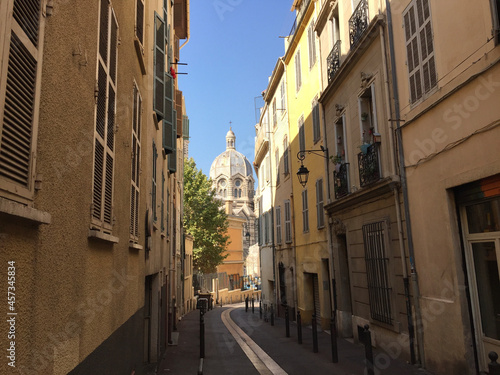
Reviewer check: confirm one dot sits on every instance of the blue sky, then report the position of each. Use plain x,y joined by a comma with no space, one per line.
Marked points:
232,51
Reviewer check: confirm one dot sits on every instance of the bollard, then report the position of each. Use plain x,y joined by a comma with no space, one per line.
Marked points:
299,327
287,321
333,337
260,308
272,315
246,304
366,338
252,305
315,334
202,335
493,367
265,313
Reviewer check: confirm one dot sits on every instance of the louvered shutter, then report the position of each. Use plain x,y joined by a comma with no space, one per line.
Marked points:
18,117
288,222
298,75
419,49
168,122
139,21
159,68
172,158
104,153
302,134
319,204
136,153
316,124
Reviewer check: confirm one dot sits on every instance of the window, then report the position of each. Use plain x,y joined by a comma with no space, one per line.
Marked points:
311,39
285,157
319,204
302,134
340,144
153,183
102,198
377,263
316,120
275,120
266,228
368,114
283,96
288,222
172,158
162,208
159,68
277,155
22,31
136,163
139,21
298,74
305,212
495,5
278,225
419,49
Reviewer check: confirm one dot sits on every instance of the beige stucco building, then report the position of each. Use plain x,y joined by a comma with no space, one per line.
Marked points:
448,95
91,126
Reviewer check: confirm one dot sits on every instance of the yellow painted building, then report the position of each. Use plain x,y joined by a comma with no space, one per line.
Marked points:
304,119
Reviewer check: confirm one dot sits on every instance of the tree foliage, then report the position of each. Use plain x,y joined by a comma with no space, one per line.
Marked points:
204,219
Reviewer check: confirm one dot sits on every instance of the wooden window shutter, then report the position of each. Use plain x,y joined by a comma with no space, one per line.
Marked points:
302,134
19,115
419,49
104,154
136,154
178,108
316,122
172,158
298,76
168,122
139,21
159,68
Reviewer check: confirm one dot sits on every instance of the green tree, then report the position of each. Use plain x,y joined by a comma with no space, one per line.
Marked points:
204,219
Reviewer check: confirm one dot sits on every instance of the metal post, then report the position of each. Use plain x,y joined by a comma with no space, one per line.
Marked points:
333,337
202,334
299,327
315,334
493,367
287,321
272,314
367,340
260,308
252,305
246,304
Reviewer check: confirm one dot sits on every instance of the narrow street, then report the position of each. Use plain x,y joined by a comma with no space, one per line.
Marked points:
239,342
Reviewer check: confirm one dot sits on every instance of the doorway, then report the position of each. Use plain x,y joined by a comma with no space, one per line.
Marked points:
481,228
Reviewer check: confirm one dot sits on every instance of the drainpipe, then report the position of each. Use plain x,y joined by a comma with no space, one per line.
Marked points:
404,187
411,331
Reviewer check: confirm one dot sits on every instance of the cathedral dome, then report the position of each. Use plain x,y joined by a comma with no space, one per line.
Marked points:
231,162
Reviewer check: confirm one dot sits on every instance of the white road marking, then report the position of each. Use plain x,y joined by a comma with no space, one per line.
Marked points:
259,358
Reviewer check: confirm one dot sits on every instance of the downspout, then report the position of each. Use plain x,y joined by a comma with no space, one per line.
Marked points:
395,189
404,187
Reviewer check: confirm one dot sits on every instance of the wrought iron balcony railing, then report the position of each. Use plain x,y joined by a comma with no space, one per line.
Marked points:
369,167
333,61
341,180
358,22
298,18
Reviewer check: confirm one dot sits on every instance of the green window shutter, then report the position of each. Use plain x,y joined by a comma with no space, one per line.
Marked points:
172,158
159,68
168,121
185,127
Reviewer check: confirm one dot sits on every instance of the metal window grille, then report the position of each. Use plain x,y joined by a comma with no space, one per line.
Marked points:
377,263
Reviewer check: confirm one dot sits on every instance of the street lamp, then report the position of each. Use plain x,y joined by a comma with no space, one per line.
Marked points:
303,172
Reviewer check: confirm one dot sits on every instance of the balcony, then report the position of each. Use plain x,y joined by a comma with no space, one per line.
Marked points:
358,22
369,166
333,61
341,180
261,144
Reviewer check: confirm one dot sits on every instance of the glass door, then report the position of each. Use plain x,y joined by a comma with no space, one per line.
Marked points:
482,236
